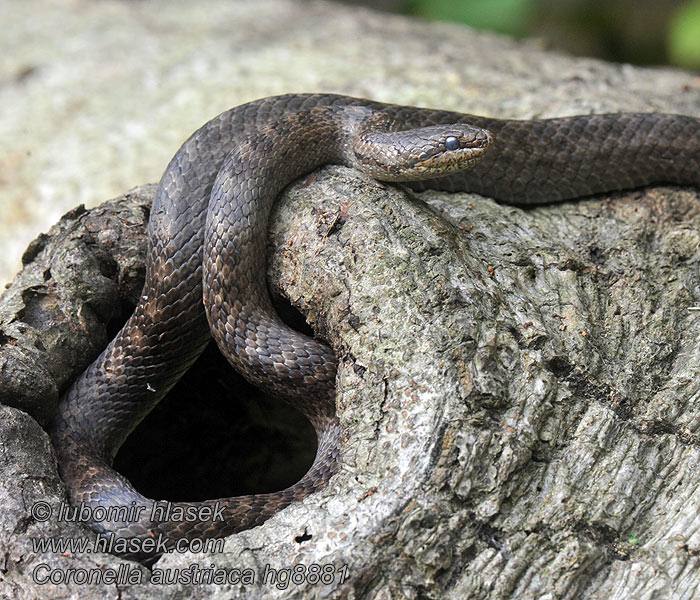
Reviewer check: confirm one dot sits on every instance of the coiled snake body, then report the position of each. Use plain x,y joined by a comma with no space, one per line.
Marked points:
206,259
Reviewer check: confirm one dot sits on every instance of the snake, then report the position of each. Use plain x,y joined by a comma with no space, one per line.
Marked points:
205,269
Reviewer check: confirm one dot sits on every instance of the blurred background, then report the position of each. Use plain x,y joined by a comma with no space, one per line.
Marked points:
642,32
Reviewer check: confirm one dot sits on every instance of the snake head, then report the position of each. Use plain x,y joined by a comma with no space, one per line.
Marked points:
422,153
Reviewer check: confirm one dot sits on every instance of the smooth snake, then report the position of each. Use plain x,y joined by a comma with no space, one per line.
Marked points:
206,262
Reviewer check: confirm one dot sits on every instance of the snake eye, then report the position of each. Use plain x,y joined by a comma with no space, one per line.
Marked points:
451,143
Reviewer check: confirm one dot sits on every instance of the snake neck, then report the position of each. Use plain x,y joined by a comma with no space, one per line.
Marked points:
270,354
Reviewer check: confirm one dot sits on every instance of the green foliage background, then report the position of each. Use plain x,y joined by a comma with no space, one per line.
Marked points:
637,31
684,36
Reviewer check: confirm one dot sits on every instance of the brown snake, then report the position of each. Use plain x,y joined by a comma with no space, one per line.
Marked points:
206,263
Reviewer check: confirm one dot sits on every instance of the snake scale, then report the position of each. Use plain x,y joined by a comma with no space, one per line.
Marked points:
206,262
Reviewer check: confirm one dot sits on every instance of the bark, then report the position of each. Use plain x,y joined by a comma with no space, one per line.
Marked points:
516,387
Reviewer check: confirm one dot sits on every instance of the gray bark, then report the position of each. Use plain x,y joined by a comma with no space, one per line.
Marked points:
516,387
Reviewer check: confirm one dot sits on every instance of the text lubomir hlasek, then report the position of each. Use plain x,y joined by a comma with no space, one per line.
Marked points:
160,511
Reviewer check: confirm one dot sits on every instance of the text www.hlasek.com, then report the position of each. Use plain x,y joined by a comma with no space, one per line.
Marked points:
115,545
